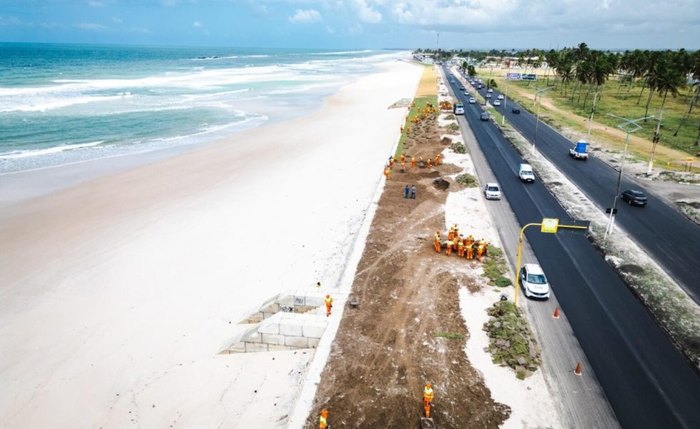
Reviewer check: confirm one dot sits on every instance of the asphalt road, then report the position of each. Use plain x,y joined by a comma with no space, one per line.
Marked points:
646,380
665,233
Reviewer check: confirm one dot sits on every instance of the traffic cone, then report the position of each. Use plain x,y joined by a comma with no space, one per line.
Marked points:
556,313
578,371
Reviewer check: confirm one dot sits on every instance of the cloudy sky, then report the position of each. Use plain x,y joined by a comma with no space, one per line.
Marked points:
602,24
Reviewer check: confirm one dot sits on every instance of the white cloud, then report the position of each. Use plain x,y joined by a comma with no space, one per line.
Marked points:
367,13
306,16
91,26
197,24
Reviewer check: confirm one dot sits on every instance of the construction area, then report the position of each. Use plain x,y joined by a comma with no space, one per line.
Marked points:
405,328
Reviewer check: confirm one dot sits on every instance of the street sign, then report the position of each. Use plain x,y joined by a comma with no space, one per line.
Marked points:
550,225
529,76
513,76
609,209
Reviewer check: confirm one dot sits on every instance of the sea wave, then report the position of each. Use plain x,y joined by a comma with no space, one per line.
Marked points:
18,154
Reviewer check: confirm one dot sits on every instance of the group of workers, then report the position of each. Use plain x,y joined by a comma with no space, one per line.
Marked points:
436,161
465,247
428,397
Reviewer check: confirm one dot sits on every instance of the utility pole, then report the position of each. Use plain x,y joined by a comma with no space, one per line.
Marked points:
629,126
655,141
538,93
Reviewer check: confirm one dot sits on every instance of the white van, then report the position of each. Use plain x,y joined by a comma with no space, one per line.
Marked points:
526,174
458,109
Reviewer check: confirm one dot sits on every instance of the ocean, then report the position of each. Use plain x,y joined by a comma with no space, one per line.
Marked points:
62,104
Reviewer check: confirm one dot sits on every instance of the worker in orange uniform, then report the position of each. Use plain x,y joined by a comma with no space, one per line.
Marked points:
413,162
430,163
450,234
480,251
470,251
403,166
329,305
460,247
323,420
387,172
408,129
427,399
450,245
438,245
437,159
403,158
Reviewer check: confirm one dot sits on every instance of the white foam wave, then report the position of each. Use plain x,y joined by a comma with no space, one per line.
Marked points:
45,103
364,51
47,151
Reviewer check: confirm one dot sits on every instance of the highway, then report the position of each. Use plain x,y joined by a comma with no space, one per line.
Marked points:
664,232
646,380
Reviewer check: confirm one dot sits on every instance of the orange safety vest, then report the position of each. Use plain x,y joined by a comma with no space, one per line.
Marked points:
322,423
428,394
329,301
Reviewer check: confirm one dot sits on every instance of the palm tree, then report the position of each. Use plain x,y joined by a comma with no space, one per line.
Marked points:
694,71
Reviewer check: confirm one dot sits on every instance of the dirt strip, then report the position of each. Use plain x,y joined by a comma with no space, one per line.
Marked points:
407,329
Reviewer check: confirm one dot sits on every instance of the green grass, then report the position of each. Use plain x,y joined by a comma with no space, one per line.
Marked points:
417,109
450,335
510,340
495,267
622,101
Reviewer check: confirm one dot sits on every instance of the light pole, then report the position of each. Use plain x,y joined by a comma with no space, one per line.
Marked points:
538,93
655,141
590,118
505,103
629,126
547,226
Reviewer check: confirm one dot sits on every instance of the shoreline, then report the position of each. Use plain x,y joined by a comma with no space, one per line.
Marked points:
144,273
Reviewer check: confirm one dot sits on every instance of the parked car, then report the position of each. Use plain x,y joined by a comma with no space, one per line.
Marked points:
472,100
488,95
480,86
492,191
496,102
500,96
634,197
534,282
485,116
490,90
515,111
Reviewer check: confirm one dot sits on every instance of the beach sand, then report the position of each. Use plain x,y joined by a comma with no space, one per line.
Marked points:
117,295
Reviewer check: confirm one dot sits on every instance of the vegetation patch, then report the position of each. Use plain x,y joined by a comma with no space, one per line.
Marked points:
511,342
450,335
453,127
458,148
467,180
495,267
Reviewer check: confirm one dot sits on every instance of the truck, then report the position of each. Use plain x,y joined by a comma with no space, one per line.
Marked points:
580,150
526,174
458,109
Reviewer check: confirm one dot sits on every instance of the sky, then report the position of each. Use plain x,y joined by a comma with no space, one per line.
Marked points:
358,24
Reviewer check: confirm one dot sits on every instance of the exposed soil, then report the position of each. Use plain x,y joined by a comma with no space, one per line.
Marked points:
407,329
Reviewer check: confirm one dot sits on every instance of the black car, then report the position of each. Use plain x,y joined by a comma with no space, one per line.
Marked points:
515,110
461,87
634,197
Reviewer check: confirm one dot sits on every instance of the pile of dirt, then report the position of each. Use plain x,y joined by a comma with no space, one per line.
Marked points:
408,329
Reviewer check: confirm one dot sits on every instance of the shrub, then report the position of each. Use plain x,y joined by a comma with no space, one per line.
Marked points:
458,148
467,180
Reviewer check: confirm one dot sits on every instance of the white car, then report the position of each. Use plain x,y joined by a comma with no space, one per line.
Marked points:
534,282
488,95
496,103
490,90
492,191
500,96
472,100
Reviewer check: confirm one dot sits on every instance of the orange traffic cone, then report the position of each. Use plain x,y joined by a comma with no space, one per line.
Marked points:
578,370
556,313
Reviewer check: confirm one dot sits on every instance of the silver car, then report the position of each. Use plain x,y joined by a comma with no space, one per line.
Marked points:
534,282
